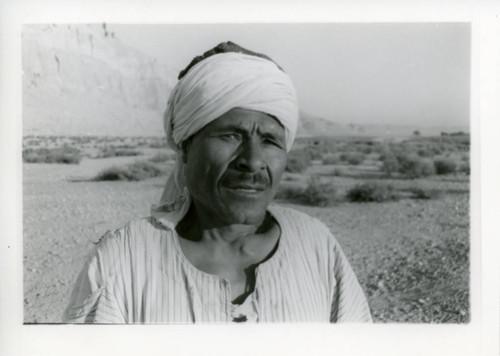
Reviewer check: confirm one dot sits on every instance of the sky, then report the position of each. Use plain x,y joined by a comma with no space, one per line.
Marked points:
397,73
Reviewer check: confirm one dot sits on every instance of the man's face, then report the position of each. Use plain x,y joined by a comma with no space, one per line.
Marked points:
233,166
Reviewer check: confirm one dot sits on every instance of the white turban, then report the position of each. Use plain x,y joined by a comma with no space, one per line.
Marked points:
211,88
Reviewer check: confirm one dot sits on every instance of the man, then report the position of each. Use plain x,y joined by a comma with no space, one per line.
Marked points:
215,249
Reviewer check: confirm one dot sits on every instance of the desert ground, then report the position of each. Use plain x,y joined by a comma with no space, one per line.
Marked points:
398,207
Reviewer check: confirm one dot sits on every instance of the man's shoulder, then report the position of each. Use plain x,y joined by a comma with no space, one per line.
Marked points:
298,220
137,230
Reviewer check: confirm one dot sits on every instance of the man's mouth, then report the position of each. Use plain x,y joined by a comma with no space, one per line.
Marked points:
250,188
245,184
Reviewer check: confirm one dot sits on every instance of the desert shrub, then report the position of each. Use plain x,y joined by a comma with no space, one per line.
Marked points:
413,166
425,152
353,158
330,159
65,154
158,143
390,164
318,194
445,166
297,161
314,152
366,149
337,172
289,192
372,192
420,193
436,150
162,157
314,194
125,146
110,151
132,172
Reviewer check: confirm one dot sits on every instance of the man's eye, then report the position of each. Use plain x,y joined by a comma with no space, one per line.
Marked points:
230,137
273,142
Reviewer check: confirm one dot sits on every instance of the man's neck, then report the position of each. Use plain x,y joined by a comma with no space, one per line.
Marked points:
232,251
229,233
195,228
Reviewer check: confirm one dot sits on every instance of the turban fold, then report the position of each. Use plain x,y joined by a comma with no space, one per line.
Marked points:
211,88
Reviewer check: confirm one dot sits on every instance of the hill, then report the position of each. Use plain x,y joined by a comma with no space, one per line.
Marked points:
313,126
82,80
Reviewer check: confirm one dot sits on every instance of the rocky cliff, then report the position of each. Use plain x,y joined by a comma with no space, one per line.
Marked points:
82,80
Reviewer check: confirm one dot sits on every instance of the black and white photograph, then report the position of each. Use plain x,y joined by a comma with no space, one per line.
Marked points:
214,177
325,178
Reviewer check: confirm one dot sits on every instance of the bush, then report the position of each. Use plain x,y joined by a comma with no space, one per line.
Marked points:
289,192
314,152
413,166
318,194
390,164
132,172
315,193
352,158
337,172
162,157
330,159
157,143
110,151
425,152
65,154
297,162
419,193
445,166
372,192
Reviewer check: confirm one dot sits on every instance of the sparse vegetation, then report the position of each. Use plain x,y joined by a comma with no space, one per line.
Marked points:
156,143
337,171
330,159
110,151
420,193
390,164
445,166
314,194
352,158
162,157
297,162
65,154
411,255
372,192
133,172
412,166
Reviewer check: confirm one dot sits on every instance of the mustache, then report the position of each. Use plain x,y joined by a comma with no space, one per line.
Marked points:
243,180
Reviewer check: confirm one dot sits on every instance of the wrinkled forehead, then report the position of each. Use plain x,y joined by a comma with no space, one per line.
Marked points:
245,120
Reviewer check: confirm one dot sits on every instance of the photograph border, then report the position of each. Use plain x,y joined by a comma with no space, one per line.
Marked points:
479,337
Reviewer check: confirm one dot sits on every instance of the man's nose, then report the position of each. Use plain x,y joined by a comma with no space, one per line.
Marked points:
251,157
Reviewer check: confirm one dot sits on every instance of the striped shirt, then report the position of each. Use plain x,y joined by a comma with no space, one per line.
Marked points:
139,274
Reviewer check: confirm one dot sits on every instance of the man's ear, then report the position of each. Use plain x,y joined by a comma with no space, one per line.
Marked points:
185,146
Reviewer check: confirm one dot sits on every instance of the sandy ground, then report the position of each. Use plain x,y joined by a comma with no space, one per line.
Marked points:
62,219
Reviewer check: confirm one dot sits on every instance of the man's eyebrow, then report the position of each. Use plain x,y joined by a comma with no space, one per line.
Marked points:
227,126
271,133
